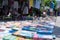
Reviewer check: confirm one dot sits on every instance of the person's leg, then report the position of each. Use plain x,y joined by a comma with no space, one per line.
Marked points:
31,14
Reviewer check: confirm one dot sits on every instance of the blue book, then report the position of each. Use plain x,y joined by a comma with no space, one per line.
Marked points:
46,36
49,26
44,31
29,28
12,31
27,34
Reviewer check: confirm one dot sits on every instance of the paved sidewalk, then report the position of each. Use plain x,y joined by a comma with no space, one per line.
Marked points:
58,22
57,28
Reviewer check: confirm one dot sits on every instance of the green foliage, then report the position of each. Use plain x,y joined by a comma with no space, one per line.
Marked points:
47,2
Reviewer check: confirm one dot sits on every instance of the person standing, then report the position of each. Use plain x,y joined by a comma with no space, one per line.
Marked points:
25,10
37,7
11,3
52,4
52,17
58,11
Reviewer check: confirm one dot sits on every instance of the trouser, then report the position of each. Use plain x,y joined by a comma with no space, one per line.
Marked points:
37,12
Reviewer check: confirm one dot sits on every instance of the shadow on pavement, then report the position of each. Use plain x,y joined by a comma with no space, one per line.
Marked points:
57,31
